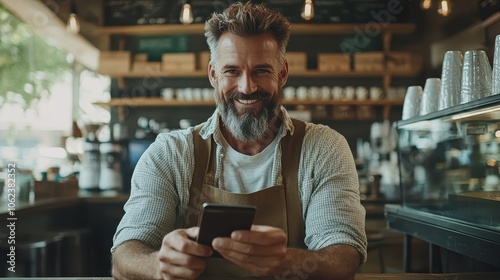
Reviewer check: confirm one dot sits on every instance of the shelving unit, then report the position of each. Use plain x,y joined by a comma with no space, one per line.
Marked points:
387,31
303,74
156,101
297,28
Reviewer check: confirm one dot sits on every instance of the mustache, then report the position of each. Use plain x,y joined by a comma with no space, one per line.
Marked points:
255,95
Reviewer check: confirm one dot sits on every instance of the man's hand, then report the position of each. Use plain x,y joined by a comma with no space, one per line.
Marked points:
180,256
260,250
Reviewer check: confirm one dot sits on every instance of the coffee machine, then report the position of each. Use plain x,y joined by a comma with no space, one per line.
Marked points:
90,162
110,177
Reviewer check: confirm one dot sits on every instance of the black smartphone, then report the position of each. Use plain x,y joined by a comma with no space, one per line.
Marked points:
220,220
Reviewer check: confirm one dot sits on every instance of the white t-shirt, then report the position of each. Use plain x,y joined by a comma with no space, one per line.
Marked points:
246,174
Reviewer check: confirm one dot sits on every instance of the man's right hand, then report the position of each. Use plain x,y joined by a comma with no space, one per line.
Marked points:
180,257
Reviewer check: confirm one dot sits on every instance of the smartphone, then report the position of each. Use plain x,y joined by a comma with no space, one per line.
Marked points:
220,220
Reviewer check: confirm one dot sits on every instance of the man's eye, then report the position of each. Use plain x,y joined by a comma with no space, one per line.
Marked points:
262,71
231,72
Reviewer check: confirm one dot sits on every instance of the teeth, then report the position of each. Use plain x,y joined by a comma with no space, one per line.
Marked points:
247,101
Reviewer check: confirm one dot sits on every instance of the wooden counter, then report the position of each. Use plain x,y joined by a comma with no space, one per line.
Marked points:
367,276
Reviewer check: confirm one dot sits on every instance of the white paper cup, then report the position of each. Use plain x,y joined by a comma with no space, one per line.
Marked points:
451,80
411,104
430,96
495,82
476,76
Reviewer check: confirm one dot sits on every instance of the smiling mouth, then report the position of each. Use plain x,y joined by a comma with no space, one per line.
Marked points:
247,101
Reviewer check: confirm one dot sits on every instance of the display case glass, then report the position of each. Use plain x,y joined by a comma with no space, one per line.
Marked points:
449,162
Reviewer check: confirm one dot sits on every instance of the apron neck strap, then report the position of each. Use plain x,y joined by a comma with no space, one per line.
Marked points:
291,147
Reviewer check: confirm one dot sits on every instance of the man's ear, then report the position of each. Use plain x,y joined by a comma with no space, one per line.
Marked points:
212,75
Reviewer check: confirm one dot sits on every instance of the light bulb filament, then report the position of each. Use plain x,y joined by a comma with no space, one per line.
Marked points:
73,23
444,8
308,10
186,14
426,4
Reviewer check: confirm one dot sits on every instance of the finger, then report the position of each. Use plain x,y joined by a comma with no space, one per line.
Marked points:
262,235
193,232
227,245
179,241
169,256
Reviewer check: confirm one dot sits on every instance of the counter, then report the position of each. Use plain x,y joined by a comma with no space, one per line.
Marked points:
481,243
362,276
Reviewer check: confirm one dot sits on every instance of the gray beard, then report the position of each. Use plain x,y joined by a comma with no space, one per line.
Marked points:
250,125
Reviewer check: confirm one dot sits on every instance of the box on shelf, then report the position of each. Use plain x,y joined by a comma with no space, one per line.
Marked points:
114,61
334,62
400,61
51,189
343,112
369,61
142,57
178,62
145,67
297,61
203,60
365,112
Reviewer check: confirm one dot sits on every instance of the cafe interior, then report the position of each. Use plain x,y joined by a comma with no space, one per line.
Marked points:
413,86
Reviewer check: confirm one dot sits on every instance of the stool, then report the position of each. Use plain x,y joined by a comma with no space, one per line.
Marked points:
36,255
376,241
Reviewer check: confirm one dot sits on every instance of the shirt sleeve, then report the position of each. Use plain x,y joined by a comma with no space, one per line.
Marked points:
159,189
332,209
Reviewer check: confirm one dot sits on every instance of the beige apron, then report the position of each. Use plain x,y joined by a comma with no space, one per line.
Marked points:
278,206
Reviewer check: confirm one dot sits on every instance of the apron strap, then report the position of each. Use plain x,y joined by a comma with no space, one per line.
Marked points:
201,156
291,147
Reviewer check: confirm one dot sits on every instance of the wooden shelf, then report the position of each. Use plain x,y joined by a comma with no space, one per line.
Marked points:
156,101
297,28
304,74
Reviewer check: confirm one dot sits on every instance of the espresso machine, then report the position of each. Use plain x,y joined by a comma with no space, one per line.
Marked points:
90,162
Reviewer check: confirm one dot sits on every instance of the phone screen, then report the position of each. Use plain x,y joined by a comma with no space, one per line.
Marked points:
218,220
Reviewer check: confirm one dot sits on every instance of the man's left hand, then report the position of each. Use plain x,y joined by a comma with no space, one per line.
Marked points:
260,250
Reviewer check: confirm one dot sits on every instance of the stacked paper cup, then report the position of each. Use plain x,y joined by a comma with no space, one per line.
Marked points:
495,86
451,80
476,76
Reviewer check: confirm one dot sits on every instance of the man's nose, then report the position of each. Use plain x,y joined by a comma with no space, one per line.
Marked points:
246,84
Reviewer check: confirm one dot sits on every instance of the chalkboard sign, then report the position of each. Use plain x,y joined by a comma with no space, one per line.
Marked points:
135,12
156,46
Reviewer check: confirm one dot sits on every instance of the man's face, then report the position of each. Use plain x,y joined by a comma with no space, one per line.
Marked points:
248,79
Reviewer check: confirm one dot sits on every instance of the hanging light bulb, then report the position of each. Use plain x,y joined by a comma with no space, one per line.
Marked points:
444,8
186,16
425,4
308,10
73,24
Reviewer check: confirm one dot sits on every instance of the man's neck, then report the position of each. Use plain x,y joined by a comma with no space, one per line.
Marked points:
253,147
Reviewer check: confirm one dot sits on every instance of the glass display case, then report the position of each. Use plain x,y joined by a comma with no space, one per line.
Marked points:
450,161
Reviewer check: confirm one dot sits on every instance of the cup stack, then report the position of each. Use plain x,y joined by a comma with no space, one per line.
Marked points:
430,96
495,86
451,80
476,76
411,103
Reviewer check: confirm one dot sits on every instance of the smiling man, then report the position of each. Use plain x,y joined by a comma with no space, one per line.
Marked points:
300,176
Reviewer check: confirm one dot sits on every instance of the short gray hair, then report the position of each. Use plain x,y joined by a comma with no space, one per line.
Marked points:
247,19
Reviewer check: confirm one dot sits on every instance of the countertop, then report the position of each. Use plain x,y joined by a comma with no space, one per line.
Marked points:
361,276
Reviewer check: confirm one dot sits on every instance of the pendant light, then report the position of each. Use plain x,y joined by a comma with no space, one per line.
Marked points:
73,24
186,16
444,8
307,10
425,4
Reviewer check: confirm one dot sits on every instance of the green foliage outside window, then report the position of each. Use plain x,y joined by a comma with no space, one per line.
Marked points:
29,65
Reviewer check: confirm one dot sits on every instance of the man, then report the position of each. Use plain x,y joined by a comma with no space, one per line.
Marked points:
301,177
